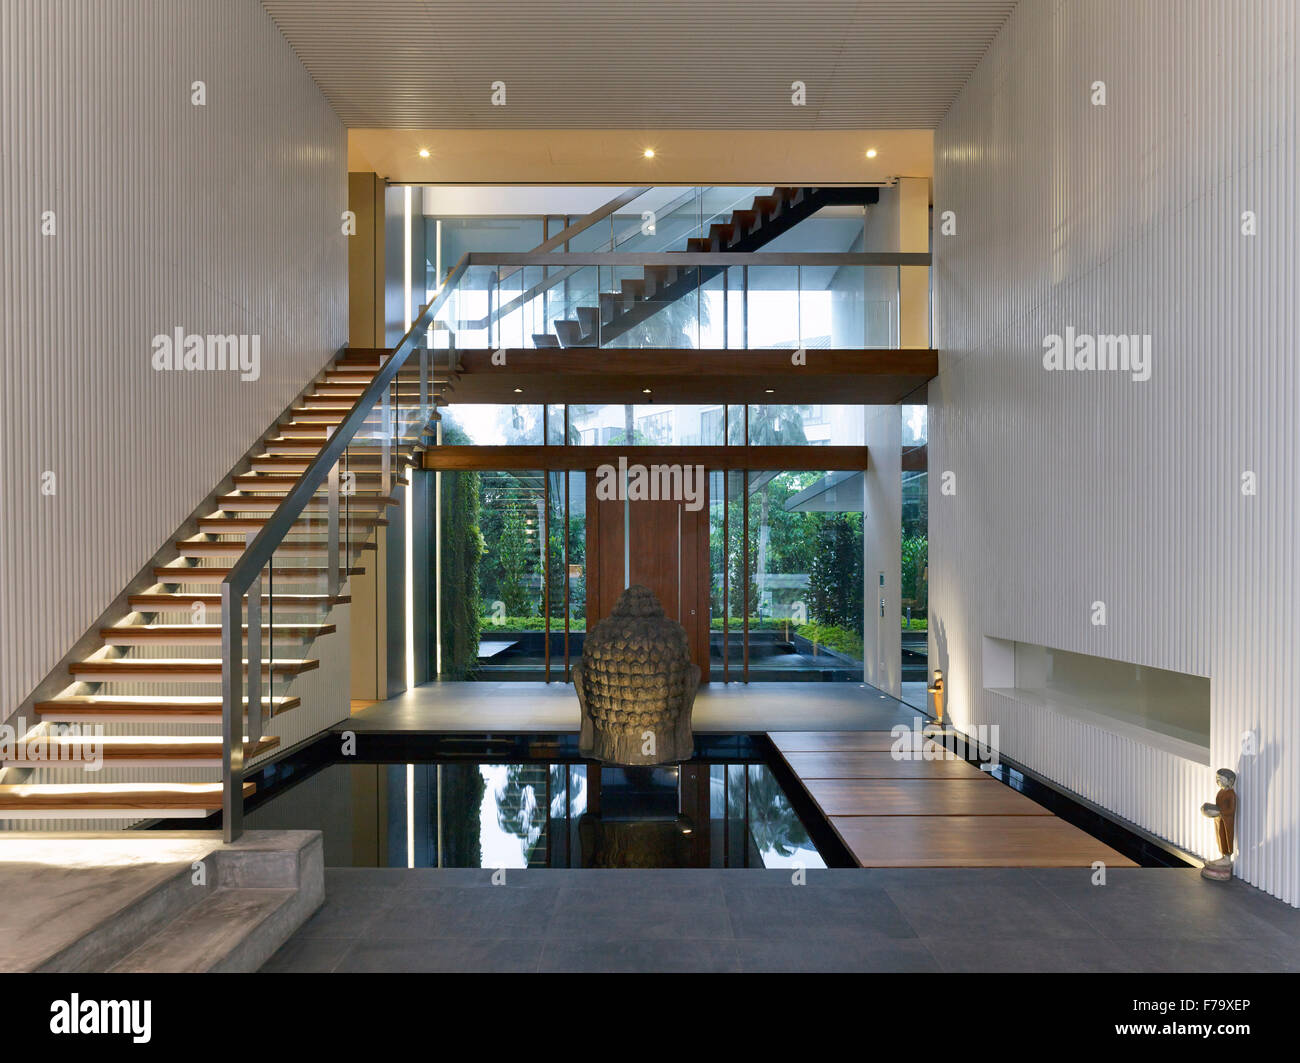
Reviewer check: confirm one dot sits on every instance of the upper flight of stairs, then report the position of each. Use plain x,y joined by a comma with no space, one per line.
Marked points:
640,298
172,634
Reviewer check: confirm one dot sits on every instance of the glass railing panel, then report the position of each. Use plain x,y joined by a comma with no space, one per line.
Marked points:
713,325
473,305
811,303
668,316
880,306
771,307
509,327
837,228
831,306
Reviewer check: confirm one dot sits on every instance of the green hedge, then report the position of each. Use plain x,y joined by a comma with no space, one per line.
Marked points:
839,639
917,623
529,623
735,623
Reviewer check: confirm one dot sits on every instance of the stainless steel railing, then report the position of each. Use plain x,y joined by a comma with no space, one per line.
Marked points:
244,580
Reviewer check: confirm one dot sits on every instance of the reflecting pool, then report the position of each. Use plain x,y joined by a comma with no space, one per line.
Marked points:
510,813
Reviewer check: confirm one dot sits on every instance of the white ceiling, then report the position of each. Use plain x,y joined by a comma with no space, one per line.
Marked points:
621,64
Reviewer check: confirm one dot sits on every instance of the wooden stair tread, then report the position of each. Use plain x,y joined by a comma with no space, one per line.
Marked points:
135,708
268,480
202,668
238,525
217,573
235,547
206,632
56,797
154,603
134,747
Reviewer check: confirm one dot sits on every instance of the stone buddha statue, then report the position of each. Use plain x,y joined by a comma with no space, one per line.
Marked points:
636,685
1223,810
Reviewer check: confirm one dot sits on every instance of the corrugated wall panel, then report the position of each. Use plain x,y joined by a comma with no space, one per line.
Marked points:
223,219
1074,487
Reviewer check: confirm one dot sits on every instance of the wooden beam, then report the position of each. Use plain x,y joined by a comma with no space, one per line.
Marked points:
587,374
575,459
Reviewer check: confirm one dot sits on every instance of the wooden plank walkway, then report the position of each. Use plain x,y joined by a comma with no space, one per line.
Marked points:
928,810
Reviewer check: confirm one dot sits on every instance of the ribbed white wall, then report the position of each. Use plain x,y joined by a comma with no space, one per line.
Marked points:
1082,487
221,219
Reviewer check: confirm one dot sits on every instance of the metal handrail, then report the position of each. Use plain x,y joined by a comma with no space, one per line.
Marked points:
573,261
700,258
247,569
554,279
586,222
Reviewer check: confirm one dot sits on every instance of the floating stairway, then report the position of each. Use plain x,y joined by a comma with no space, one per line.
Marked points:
169,639
640,298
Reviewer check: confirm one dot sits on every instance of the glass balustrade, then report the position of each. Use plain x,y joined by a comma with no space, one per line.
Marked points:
644,301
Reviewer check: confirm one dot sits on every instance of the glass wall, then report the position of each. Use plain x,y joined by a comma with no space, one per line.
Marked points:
512,518
656,424
490,425
914,578
646,425
786,558
785,571
511,559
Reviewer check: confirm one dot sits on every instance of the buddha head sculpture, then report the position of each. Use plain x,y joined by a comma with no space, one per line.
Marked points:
636,685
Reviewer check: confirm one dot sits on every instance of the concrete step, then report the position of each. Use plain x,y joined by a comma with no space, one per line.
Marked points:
135,913
217,934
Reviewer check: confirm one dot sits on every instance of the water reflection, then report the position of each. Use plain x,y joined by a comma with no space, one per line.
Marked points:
462,813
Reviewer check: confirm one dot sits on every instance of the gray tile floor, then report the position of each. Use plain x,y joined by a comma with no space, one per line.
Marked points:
1143,920
550,707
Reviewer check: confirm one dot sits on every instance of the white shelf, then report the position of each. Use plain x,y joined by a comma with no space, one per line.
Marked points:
1179,742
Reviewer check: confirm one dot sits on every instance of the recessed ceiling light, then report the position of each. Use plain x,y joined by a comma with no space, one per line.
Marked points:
645,391
424,153
649,153
871,153
519,391
771,391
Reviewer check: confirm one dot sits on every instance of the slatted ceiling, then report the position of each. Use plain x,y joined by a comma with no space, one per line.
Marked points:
676,64
1081,487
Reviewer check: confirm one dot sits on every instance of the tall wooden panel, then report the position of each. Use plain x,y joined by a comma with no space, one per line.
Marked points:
667,550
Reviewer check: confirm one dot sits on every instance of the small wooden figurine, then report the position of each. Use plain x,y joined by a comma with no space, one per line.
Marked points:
1223,810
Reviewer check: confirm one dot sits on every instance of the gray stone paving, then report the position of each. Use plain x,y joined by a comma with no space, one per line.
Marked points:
1143,920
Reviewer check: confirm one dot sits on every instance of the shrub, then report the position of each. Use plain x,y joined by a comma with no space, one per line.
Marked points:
839,639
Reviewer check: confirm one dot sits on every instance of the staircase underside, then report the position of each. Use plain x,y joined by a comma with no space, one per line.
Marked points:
638,299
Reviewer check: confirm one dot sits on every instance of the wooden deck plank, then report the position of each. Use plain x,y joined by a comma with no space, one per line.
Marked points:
942,812
878,766
919,797
971,841
841,741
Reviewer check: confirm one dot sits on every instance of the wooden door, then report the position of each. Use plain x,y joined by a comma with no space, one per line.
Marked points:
660,544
